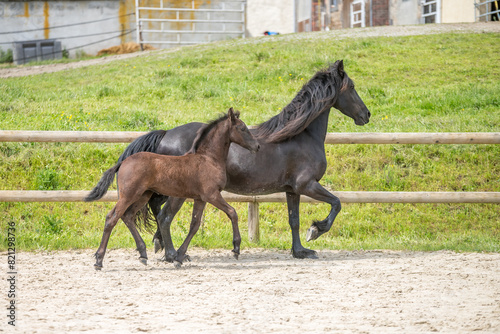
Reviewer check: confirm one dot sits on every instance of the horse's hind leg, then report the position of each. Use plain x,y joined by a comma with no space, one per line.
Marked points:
165,218
316,191
111,219
129,220
220,203
155,203
193,228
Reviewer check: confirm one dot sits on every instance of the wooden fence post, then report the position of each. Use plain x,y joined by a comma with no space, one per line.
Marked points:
253,221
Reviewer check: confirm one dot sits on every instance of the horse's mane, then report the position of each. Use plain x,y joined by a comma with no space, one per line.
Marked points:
313,99
205,129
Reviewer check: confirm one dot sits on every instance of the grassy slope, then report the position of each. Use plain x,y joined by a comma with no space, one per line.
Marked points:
436,83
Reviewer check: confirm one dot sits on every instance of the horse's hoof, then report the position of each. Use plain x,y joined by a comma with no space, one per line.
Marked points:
177,264
236,255
187,257
305,254
312,233
144,261
97,267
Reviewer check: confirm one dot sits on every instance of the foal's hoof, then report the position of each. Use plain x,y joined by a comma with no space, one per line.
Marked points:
97,267
312,233
177,264
144,261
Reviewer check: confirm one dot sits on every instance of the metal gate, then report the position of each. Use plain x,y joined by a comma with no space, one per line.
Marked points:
488,10
173,23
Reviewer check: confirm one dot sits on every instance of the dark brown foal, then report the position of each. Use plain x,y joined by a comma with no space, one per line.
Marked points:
200,174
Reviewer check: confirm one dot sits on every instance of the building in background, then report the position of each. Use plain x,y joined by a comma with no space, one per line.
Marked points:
340,14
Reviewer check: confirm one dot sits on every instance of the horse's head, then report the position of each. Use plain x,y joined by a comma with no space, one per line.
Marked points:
348,101
239,132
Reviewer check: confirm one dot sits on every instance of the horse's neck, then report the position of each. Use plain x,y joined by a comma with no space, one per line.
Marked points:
216,144
318,128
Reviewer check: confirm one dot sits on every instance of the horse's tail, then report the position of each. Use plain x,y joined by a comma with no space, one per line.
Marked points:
102,186
145,143
145,219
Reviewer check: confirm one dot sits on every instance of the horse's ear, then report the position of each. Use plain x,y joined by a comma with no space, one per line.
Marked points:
231,115
340,68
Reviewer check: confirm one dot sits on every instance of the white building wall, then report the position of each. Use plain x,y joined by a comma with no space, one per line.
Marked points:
265,15
457,11
405,12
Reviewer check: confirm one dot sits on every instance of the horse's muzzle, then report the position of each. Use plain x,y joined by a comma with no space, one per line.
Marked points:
363,119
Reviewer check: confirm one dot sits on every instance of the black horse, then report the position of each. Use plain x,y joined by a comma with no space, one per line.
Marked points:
291,159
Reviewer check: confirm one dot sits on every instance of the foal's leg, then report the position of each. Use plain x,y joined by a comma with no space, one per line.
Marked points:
129,220
193,228
316,191
220,203
155,203
111,219
298,251
165,218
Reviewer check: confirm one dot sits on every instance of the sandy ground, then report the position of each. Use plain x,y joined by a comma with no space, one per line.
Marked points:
265,291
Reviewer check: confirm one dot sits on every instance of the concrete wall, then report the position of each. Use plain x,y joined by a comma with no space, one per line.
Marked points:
265,15
37,15
457,11
405,12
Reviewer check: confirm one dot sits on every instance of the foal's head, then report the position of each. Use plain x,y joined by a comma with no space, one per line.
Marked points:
239,133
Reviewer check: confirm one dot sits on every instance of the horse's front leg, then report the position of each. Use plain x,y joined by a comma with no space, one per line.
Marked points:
316,191
165,218
198,208
220,203
298,251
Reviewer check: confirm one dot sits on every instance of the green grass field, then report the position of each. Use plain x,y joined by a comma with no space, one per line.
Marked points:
435,83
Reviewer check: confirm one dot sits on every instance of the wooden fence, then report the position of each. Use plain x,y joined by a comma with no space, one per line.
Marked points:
253,221
331,138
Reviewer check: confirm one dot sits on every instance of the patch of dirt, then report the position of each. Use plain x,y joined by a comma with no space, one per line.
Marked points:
493,27
124,48
264,291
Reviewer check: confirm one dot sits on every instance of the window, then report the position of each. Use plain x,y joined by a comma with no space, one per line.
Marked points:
358,14
334,5
431,11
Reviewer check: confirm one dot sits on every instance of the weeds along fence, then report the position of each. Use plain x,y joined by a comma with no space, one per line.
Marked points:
253,208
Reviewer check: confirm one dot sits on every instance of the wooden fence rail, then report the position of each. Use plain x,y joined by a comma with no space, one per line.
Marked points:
331,138
345,197
253,222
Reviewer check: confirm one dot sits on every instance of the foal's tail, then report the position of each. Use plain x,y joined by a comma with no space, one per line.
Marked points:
102,186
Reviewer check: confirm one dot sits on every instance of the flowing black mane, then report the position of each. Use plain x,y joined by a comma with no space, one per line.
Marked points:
313,99
205,129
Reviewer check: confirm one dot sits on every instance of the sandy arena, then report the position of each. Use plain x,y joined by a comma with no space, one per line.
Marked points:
264,291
